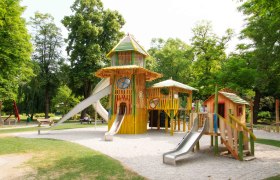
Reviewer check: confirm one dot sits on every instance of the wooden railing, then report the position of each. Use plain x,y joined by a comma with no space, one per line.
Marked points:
234,135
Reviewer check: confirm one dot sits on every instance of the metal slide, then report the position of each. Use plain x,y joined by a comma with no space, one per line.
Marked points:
115,127
186,144
103,88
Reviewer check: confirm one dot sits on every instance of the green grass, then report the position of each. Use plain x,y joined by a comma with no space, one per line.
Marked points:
273,177
268,142
56,159
60,127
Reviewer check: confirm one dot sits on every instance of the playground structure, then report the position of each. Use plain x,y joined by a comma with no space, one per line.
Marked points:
9,118
169,99
226,118
132,104
130,100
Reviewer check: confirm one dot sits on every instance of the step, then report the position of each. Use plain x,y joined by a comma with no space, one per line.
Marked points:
249,158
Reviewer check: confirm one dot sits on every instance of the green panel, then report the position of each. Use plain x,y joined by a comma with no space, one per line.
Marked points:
125,46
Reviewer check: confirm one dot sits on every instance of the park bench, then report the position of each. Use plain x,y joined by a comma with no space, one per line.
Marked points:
44,121
88,120
9,121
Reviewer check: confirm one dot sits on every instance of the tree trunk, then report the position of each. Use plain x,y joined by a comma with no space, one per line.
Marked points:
256,107
277,114
87,93
47,102
1,121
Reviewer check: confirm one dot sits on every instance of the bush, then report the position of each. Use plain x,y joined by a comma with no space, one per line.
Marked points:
264,114
43,115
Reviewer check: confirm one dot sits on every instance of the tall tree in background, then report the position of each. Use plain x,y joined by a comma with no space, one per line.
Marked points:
47,41
15,50
172,58
262,28
93,32
209,50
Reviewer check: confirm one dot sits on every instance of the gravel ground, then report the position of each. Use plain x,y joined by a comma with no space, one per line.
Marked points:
143,154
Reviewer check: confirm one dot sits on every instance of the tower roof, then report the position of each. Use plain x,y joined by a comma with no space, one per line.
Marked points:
172,83
127,70
128,43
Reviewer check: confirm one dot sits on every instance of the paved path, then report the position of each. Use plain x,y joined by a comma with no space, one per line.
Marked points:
143,154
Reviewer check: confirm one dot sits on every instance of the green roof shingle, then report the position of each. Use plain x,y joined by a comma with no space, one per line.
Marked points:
128,43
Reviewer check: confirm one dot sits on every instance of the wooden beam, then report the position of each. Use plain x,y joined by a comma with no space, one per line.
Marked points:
158,120
166,123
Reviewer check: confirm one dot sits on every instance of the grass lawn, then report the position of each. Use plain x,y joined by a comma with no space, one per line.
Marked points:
268,142
56,159
274,177
62,126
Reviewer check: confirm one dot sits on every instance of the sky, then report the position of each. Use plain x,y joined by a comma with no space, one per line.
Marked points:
148,19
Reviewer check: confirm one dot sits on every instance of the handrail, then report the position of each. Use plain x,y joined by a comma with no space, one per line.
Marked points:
244,127
227,121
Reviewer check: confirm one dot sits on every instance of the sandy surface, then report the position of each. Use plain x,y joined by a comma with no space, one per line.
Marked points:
143,154
13,167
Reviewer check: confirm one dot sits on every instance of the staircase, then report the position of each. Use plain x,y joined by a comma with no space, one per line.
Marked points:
238,139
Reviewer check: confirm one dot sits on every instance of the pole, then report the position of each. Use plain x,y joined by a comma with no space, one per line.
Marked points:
95,117
216,121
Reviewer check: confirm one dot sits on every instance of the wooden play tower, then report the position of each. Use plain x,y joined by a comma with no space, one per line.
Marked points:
128,78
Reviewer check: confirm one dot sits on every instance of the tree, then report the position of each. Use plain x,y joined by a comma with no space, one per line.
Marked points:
209,50
93,32
262,28
15,50
172,58
64,100
238,74
47,41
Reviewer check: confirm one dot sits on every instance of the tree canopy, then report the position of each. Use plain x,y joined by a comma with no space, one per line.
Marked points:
15,49
93,32
47,40
172,58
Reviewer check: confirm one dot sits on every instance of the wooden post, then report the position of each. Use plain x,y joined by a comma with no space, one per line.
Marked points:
277,114
252,145
216,121
166,123
251,115
184,121
113,97
1,121
179,124
240,148
158,120
171,122
134,102
197,146
189,123
175,123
